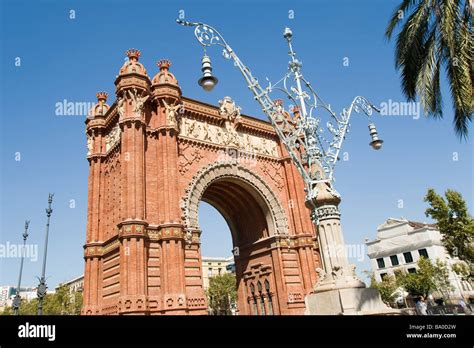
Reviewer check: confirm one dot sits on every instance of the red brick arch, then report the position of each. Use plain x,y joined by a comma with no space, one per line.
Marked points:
249,181
153,156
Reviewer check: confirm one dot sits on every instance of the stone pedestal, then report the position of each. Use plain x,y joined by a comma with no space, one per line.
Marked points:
349,301
338,289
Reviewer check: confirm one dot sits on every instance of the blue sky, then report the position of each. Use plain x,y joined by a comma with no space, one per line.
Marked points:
72,59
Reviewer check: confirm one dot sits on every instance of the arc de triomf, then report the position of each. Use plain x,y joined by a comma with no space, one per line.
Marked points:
154,155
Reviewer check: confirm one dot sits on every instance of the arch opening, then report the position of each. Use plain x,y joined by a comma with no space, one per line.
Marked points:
249,220
257,222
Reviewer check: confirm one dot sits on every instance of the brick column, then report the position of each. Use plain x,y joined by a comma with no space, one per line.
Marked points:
95,126
133,92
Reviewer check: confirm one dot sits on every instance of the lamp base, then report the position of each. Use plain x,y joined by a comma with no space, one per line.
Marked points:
348,301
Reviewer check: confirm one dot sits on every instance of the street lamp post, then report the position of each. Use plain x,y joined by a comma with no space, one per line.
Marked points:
314,149
41,293
17,300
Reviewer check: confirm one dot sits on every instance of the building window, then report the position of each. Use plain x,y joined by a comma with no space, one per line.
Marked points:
254,306
262,303
219,271
209,272
394,260
383,276
408,257
412,270
254,300
423,253
262,299
381,263
269,295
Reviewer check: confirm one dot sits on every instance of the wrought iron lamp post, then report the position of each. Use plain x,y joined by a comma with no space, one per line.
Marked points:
41,293
17,299
312,146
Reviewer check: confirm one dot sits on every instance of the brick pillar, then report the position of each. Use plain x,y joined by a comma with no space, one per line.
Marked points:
132,230
196,298
133,94
300,222
92,277
173,244
178,279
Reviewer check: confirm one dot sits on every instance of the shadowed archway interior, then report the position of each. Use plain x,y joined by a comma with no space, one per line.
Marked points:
248,218
245,214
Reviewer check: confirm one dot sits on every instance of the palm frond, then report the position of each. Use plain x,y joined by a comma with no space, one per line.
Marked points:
459,69
410,33
427,84
409,48
396,18
437,33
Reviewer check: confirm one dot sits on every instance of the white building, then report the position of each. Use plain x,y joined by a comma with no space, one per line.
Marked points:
29,294
400,244
7,294
212,266
74,285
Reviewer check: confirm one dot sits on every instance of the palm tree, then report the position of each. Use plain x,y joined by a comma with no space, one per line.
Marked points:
436,34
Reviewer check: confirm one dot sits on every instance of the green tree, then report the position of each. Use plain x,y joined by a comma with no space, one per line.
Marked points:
436,34
441,278
428,278
454,223
59,303
222,293
387,288
462,269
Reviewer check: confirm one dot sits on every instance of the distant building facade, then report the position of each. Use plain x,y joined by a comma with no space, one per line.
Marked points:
213,266
74,285
399,245
7,293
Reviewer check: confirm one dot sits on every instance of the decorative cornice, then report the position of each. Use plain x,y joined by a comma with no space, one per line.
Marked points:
328,212
214,146
114,244
94,250
132,229
205,112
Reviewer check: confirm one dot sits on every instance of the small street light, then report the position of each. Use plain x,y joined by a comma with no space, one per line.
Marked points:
41,292
17,300
376,143
207,81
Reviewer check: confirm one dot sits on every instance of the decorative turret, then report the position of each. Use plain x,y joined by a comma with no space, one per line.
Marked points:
101,108
132,76
164,76
165,83
133,66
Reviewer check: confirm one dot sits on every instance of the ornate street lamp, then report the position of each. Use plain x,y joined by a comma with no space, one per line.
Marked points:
207,81
41,292
314,148
17,299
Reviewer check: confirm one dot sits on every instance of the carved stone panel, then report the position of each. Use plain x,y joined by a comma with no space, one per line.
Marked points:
227,136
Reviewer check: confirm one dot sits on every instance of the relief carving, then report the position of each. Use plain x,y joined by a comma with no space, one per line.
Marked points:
172,113
112,138
228,109
273,172
227,136
89,144
138,100
185,160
